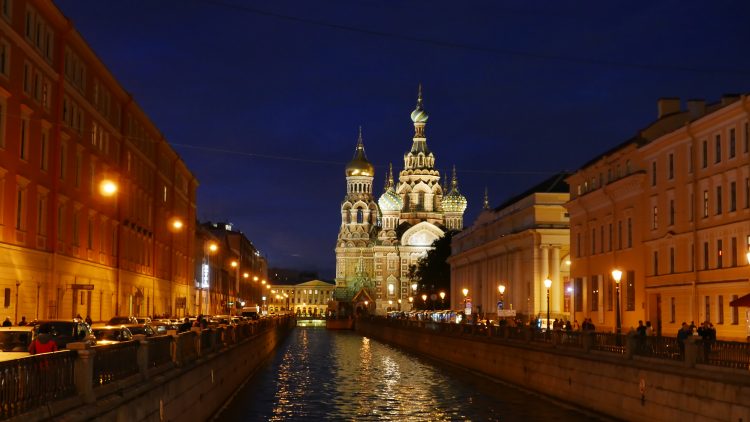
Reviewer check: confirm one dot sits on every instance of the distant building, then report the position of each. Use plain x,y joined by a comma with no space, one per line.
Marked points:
518,245
66,126
379,240
309,298
670,209
229,274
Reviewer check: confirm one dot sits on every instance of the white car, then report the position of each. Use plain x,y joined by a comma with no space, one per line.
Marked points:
15,342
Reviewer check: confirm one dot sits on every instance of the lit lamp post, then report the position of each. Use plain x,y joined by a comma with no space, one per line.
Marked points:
501,289
548,284
399,305
617,275
466,293
264,303
442,300
424,299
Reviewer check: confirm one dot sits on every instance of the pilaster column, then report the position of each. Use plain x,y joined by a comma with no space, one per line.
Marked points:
543,274
557,286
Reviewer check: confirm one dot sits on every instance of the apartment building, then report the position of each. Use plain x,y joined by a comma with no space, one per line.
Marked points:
66,126
670,209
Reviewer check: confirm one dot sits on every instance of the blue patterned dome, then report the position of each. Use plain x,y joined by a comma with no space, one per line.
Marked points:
390,201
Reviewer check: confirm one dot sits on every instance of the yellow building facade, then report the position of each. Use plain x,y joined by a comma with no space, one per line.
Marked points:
669,208
517,245
305,299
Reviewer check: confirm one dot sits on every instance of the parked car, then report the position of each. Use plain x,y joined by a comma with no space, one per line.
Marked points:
64,331
161,327
15,341
119,320
143,320
111,334
145,329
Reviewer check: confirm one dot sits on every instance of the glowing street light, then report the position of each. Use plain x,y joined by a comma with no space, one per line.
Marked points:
255,278
442,299
107,187
501,289
213,247
547,284
234,264
246,275
617,275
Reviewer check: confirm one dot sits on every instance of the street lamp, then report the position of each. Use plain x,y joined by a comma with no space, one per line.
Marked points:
547,284
399,305
424,299
442,300
617,275
501,289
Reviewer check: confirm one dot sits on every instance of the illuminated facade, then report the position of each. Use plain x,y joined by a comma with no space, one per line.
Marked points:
518,245
230,270
66,125
378,241
669,208
305,299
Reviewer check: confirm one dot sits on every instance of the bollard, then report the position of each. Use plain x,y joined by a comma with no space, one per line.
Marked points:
84,371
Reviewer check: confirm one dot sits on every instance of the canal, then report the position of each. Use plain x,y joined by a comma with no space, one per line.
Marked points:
319,374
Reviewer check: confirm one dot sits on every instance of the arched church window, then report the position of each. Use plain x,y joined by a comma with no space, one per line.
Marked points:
360,216
348,217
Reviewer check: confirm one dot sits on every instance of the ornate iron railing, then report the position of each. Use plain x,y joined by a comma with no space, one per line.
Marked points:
29,381
729,354
657,347
609,342
115,362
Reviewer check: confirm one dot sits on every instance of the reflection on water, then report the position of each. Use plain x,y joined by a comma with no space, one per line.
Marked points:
319,374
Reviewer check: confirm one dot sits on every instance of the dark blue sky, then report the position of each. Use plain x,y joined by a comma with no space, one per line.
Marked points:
515,91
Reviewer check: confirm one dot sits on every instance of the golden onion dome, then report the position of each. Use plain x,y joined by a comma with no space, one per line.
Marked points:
359,165
454,201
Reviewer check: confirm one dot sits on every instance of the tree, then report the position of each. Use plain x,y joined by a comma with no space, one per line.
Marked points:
433,270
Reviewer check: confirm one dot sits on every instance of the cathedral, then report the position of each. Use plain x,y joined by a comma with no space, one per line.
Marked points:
380,239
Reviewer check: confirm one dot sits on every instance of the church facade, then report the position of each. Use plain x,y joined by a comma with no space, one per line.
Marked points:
380,239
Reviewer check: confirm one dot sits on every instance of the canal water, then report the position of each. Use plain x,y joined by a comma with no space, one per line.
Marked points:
324,375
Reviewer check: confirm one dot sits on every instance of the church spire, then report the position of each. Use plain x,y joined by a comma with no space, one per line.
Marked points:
486,199
360,165
454,181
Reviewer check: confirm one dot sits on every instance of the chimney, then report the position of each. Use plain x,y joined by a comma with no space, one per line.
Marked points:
696,107
727,99
667,106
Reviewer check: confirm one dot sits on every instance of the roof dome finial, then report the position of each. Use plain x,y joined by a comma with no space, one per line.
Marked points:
486,199
359,165
419,115
390,200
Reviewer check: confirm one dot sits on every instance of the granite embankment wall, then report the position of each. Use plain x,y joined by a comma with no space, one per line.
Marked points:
630,388
199,373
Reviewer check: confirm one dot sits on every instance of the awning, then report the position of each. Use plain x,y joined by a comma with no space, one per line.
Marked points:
741,301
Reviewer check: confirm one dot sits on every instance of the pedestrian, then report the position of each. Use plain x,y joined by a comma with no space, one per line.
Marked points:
79,317
682,334
23,322
7,322
649,329
185,326
197,322
576,326
641,330
88,320
42,344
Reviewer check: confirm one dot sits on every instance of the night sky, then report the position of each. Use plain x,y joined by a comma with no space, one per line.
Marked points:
262,99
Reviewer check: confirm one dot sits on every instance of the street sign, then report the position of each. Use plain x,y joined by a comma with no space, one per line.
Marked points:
83,287
506,312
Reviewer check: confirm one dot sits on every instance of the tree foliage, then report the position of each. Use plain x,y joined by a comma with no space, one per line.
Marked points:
433,272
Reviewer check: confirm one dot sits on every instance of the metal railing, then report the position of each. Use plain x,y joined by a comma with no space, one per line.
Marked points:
729,354
159,350
115,362
28,381
658,347
609,342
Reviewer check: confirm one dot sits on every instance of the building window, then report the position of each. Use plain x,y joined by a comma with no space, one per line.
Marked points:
79,160
6,302
60,220
732,143
747,192
692,257
671,260
690,159
630,291
718,148
655,219
594,293
21,208
578,245
27,78
705,204
747,137
720,309
671,212
75,228
672,309
732,196
4,56
601,239
578,292
718,200
360,216
619,234
719,254
653,173
41,211
63,150
671,167
630,232
656,262
43,151
691,205
90,234
734,251
593,241
708,308
735,312
609,241
23,144
705,255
